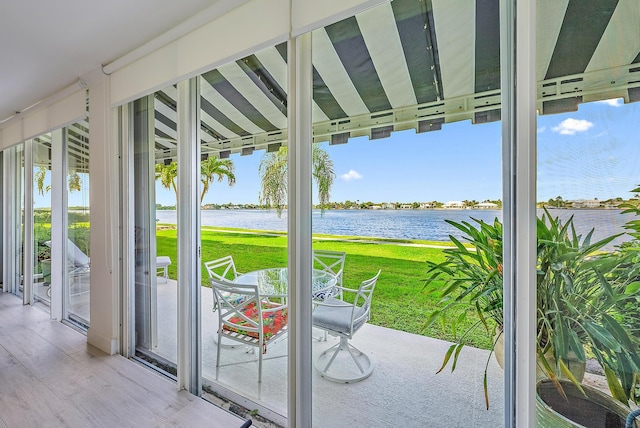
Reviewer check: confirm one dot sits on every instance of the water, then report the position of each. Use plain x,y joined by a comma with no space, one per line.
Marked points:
427,225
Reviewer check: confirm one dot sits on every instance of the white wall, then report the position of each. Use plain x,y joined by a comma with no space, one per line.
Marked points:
103,157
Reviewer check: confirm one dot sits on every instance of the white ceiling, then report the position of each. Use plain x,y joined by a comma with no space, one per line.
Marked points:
47,45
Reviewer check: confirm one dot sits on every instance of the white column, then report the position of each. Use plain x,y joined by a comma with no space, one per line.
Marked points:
299,228
189,349
104,204
519,195
58,221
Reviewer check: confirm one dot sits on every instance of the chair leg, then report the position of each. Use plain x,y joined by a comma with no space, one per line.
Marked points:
218,354
361,360
260,365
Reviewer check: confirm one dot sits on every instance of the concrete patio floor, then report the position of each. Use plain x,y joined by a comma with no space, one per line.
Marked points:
403,390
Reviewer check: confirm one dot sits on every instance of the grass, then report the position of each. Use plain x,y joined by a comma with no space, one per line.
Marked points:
400,301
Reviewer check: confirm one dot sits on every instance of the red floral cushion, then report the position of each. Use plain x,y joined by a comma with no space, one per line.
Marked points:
272,322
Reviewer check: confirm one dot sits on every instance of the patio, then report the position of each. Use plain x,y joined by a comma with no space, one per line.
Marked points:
403,390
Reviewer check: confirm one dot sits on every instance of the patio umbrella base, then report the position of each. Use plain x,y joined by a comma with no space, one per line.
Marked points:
341,365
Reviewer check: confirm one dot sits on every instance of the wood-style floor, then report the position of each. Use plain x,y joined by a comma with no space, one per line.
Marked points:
50,377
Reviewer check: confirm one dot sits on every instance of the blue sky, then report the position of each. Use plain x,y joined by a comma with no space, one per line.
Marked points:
591,153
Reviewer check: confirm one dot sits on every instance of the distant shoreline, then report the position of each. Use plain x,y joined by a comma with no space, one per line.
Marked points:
538,207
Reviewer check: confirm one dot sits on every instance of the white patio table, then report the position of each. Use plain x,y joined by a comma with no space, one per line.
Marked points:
272,282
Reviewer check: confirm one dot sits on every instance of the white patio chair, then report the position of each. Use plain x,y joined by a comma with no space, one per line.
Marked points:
332,262
249,320
78,266
343,319
222,268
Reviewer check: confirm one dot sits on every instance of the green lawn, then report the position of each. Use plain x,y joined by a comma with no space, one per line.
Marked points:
400,302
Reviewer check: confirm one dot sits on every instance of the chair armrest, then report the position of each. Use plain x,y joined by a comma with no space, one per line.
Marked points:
273,308
337,303
348,290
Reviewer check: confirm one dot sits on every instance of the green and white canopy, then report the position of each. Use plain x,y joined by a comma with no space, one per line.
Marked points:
414,64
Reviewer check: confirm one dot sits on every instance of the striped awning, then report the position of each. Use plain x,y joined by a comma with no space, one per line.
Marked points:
414,64
77,148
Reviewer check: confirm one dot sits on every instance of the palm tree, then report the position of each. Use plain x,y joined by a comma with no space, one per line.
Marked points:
168,176
273,173
39,177
209,169
212,168
74,180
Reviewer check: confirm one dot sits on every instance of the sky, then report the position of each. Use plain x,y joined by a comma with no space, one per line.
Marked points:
590,153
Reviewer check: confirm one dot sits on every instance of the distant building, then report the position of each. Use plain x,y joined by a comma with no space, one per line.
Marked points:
426,205
405,206
585,203
376,207
454,205
486,206
388,206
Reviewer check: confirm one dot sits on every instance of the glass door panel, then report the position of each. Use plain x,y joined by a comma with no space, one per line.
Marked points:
411,176
155,245
42,218
17,226
78,272
587,186
244,226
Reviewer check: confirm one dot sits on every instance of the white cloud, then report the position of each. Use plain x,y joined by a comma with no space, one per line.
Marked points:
351,175
572,126
542,129
616,102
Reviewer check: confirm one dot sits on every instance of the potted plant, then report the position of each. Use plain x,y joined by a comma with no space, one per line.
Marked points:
581,295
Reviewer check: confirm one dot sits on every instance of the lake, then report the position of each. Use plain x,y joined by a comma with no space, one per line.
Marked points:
427,225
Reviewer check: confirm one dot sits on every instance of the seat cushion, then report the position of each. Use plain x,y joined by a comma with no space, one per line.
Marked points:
335,315
272,322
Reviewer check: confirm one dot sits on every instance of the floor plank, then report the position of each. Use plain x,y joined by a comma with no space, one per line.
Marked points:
50,377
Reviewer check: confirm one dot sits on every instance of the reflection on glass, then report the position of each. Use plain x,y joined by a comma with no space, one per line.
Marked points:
18,205
42,217
154,135
77,287
588,169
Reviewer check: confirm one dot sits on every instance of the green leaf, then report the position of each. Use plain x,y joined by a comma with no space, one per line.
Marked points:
565,370
486,390
619,333
447,356
614,386
601,335
455,357
632,288
576,346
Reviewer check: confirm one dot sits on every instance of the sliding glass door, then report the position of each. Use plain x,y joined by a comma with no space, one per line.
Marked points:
42,147
155,289
588,67
76,221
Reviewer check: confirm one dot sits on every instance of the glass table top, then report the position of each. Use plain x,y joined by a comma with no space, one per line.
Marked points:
273,281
